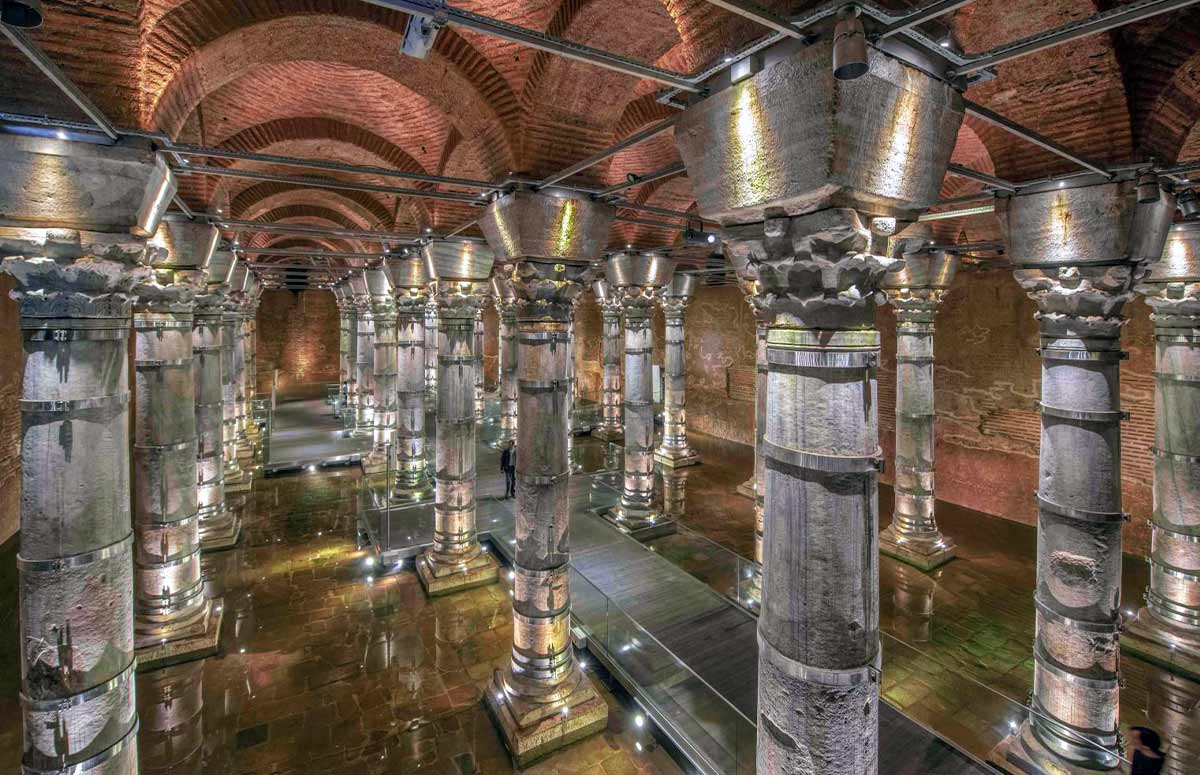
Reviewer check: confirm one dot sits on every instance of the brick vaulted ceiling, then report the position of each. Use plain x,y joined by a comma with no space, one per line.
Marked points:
324,79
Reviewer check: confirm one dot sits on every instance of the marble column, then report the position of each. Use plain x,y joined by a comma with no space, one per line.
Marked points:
1167,629
383,371
232,363
612,352
75,565
542,700
172,614
506,309
364,353
456,560
410,286
756,485
819,623
673,451
808,217
639,280
347,347
916,291
253,297
478,349
1077,250
220,524
431,352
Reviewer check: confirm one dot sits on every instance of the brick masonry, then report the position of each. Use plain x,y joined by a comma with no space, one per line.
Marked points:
297,334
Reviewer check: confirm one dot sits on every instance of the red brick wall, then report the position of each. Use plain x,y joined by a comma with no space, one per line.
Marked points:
297,334
10,416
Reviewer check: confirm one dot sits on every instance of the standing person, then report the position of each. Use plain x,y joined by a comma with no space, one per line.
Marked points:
1147,751
508,464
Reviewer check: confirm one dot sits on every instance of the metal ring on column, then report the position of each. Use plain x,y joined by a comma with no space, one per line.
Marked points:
1081,514
76,560
1101,416
1068,354
824,462
820,359
72,406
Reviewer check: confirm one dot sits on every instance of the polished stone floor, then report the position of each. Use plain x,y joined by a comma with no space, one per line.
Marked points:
330,666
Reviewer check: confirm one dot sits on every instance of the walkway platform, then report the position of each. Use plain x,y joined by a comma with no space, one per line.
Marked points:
306,433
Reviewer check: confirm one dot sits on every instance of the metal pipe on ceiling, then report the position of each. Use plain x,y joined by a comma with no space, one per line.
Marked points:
1101,22
666,172
920,16
298,228
982,177
442,13
309,253
636,138
760,15
1015,129
312,182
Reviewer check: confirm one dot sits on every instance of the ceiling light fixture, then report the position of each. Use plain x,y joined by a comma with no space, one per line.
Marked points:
849,46
1189,206
23,14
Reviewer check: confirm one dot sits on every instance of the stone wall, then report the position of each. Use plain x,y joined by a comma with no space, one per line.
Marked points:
10,416
297,334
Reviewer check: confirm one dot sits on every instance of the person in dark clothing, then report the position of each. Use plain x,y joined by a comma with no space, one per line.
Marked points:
1146,746
508,464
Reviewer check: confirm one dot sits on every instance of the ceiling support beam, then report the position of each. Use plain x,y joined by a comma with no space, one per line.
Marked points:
439,12
991,180
262,227
920,16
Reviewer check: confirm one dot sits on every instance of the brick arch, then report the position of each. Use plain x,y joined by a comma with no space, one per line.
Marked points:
1084,76
357,207
307,215
326,139
1161,61
360,47
1172,118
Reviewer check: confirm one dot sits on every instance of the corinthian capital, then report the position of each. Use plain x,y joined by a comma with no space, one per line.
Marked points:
74,274
812,270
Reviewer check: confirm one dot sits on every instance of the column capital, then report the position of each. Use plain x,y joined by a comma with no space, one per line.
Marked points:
548,290
74,274
1172,285
812,271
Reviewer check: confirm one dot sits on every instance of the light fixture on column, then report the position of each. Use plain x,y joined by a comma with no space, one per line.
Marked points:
25,14
419,36
1189,206
849,46
1147,188
694,234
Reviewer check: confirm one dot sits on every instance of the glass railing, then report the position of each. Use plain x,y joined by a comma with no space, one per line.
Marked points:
938,695
710,731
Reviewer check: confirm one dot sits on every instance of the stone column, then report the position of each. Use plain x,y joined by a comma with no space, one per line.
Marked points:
364,353
1077,251
232,363
220,525
757,483
172,613
1167,629
674,451
347,333
808,216
916,291
253,296
611,352
639,279
478,349
819,622
75,564
431,353
383,369
542,700
507,311
410,285
456,560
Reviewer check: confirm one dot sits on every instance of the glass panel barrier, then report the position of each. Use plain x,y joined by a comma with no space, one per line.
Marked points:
711,730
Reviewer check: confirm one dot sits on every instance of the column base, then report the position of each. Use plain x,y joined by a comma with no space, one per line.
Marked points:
1161,643
222,535
638,524
614,435
447,579
410,495
1021,753
198,642
676,458
746,488
534,731
374,462
925,555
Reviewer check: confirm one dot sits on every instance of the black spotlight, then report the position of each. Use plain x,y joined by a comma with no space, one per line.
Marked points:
1147,188
1189,205
26,14
849,46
